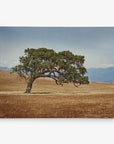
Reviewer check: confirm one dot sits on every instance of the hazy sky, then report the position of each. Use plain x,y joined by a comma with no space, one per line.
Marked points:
95,43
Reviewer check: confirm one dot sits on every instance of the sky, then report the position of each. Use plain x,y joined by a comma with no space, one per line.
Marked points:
95,43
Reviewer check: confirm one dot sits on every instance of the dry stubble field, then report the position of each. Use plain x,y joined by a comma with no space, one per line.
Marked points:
49,100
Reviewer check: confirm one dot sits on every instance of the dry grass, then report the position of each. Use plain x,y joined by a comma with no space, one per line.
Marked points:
95,100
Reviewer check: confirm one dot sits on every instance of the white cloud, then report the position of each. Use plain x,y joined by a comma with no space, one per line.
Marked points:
13,63
3,62
10,63
108,65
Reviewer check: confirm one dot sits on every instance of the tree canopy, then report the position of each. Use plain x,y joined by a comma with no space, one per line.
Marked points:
63,67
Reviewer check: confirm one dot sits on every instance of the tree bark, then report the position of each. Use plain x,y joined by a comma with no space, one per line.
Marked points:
29,85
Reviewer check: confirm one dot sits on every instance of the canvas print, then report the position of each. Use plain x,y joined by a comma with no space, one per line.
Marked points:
56,72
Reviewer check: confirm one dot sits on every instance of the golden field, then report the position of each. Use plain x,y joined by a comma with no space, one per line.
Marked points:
49,100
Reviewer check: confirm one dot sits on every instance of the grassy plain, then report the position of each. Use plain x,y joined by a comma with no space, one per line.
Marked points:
49,100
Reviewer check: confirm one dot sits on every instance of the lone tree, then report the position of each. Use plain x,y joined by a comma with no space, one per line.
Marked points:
63,67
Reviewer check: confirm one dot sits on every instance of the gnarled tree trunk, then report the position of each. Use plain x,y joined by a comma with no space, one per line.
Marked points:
29,85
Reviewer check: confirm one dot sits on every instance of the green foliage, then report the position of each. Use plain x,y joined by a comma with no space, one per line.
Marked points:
63,67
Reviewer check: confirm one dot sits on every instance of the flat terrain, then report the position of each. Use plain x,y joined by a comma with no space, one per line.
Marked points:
47,99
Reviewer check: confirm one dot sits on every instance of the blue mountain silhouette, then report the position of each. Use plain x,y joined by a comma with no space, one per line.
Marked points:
101,74
95,74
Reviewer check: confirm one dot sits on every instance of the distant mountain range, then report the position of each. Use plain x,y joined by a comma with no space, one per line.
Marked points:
101,74
5,69
94,74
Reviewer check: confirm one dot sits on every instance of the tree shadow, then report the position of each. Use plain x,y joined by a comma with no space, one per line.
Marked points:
79,92
41,93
